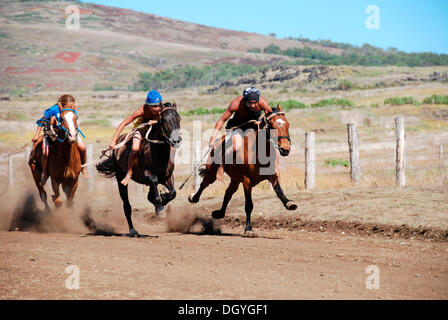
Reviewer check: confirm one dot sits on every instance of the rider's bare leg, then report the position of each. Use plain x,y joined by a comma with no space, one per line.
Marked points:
135,147
45,152
83,153
236,148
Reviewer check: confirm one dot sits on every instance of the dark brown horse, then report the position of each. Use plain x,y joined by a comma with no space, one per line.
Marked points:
64,160
259,164
154,164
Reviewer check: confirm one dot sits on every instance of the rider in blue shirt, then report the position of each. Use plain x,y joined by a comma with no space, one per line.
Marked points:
53,116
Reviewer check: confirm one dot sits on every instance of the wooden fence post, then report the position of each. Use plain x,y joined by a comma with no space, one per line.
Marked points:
310,169
197,160
400,176
10,172
355,170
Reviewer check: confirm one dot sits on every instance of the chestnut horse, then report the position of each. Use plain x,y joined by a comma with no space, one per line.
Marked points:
272,134
64,160
154,164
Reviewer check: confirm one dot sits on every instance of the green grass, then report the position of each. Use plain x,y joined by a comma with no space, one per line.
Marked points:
436,99
289,104
192,76
345,85
333,102
398,101
332,162
294,104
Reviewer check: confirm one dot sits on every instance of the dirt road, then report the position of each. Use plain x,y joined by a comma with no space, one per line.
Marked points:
279,264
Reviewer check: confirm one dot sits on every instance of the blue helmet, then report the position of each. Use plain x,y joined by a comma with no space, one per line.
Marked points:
153,98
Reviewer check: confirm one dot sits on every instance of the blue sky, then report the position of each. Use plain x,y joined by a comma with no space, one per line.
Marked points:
409,25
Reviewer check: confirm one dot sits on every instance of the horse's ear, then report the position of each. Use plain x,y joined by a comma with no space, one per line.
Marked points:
174,105
279,107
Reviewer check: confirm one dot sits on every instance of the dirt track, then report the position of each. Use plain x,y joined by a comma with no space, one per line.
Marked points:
279,264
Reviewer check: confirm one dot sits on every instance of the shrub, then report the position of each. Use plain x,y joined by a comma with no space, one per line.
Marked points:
333,102
436,99
345,85
337,162
289,104
397,101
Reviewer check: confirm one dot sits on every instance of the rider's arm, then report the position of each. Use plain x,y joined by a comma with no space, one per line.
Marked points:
265,105
123,124
227,114
36,135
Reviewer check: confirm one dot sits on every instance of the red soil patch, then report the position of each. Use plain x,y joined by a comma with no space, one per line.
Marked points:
67,56
20,71
61,70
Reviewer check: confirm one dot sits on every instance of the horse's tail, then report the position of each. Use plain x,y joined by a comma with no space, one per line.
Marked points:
107,167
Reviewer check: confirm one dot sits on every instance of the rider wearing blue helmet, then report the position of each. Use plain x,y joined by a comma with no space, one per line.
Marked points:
147,113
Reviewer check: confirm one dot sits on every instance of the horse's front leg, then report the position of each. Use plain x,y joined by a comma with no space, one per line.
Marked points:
56,196
275,181
70,191
171,194
153,194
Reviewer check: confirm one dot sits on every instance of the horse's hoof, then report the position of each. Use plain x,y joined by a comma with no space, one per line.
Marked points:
161,214
133,233
159,208
291,205
249,234
218,214
191,198
58,203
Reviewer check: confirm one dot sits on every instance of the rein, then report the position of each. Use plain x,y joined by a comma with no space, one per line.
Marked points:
266,121
64,129
168,140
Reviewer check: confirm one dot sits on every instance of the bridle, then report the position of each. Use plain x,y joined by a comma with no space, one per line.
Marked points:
62,128
266,120
165,136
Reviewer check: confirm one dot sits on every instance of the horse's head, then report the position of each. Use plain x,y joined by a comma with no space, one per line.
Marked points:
170,124
69,124
277,120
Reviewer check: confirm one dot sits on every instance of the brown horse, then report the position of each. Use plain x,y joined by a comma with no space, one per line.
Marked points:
259,163
64,160
154,164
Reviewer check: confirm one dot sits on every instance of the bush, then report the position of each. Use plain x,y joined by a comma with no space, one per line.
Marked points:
397,101
191,76
289,104
436,99
333,102
337,162
345,85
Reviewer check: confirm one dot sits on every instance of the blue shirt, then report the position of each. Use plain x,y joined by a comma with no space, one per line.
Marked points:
52,111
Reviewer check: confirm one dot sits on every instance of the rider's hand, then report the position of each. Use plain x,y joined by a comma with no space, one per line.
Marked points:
112,145
211,143
53,120
35,138
152,122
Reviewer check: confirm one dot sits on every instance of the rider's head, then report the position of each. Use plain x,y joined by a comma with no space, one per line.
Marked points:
251,97
154,101
66,101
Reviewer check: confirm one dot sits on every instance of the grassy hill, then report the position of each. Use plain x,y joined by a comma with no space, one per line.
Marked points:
120,49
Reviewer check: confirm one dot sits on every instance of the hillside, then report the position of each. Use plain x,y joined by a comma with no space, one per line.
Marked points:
37,51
